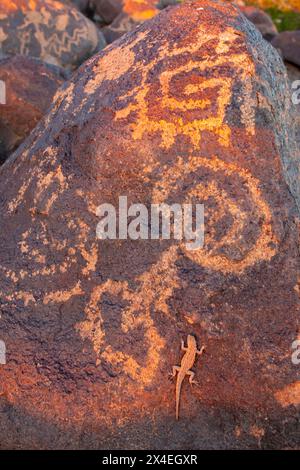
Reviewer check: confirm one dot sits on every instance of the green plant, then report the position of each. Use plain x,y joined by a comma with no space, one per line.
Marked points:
284,20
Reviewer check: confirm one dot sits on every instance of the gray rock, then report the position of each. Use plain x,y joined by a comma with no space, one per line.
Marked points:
288,43
294,79
261,20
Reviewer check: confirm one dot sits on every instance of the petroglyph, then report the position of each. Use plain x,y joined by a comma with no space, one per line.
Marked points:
207,89
179,110
151,294
216,91
152,291
263,247
54,32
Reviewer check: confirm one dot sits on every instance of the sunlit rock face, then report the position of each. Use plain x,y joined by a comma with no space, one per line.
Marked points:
138,10
190,107
30,85
52,31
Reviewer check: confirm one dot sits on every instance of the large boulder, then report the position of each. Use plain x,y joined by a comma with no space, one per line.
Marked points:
190,107
30,85
52,31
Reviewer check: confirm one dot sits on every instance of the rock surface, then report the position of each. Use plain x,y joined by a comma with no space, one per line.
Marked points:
192,106
30,86
288,43
54,32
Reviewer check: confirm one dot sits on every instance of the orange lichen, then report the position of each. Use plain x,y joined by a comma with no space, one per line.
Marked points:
62,296
257,432
289,395
140,10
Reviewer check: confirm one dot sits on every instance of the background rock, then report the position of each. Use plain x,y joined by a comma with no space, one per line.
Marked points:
261,20
108,9
30,87
82,5
294,76
120,26
56,33
193,105
133,13
161,4
288,43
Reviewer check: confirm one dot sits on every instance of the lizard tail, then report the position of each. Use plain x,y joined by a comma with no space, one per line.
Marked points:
178,389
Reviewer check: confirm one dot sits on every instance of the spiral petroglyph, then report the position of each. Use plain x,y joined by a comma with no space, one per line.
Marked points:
213,185
237,250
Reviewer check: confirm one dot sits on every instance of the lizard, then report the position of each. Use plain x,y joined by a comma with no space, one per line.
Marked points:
184,369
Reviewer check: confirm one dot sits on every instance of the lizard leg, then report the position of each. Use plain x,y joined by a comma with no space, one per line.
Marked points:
183,348
191,379
175,369
201,350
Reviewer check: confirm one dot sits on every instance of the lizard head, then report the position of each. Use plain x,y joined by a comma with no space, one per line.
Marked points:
191,341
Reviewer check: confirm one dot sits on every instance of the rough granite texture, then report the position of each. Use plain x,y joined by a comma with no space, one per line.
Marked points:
191,106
